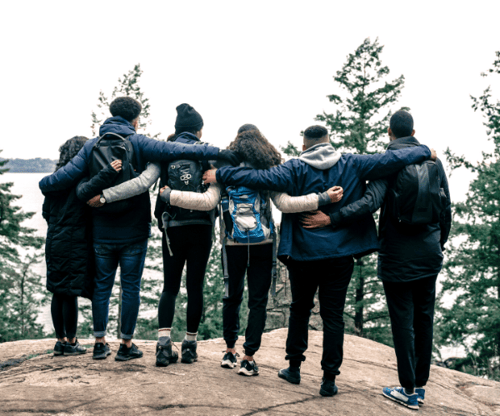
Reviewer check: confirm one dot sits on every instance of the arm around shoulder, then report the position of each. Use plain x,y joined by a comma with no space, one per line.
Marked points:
377,166
134,186
205,201
290,204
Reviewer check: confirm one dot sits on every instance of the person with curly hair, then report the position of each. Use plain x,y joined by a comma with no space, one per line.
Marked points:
68,250
253,259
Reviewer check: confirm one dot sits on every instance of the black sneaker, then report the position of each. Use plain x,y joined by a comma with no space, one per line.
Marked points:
164,353
248,369
59,348
188,352
77,349
229,360
328,388
290,374
125,354
101,351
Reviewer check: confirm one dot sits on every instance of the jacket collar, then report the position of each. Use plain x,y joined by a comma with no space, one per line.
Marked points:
117,125
403,142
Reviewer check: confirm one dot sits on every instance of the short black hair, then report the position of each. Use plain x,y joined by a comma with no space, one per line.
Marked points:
315,132
125,107
401,124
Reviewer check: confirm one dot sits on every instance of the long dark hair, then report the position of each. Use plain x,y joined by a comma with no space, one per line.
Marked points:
69,150
255,149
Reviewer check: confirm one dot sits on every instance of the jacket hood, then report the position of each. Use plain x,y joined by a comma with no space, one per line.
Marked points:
320,156
186,137
117,125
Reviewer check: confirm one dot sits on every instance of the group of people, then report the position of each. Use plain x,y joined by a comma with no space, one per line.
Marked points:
327,198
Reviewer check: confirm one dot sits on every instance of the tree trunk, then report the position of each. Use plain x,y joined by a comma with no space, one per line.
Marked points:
22,305
360,293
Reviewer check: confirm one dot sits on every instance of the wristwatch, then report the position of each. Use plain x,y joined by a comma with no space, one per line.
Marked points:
102,200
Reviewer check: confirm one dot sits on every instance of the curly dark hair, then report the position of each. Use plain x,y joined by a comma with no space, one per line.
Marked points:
69,150
255,149
125,107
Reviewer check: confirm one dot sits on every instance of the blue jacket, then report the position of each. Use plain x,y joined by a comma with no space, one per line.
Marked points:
120,229
319,168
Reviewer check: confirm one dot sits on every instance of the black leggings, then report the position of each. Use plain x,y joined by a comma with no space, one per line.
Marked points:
64,309
191,244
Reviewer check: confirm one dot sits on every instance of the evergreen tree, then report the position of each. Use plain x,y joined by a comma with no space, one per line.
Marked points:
473,267
128,86
19,286
359,124
362,109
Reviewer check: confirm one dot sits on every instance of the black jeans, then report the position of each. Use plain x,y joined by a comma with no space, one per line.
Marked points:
64,310
259,282
411,308
332,276
190,244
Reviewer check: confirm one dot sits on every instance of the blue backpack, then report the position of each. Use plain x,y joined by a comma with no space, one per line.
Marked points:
247,218
250,215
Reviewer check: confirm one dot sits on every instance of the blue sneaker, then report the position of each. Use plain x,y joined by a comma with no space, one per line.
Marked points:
398,395
421,396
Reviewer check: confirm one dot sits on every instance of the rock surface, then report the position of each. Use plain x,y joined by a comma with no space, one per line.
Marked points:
44,384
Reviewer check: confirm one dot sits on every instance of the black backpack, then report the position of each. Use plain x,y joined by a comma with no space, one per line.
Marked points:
416,196
186,175
109,147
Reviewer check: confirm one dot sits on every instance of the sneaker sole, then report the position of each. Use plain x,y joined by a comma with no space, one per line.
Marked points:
420,402
409,406
292,381
75,353
101,357
127,358
325,393
58,353
244,372
188,361
227,364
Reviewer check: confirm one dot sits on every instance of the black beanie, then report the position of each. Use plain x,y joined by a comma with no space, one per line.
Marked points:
188,119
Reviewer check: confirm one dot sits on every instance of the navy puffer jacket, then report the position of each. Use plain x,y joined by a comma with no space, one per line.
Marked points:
319,168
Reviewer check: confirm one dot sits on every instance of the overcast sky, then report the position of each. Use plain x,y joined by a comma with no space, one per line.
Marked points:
270,63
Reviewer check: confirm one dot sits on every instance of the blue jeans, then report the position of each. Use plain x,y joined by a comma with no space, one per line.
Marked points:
131,259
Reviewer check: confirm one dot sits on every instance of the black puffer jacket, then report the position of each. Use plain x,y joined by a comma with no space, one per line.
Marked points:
406,252
409,252
68,250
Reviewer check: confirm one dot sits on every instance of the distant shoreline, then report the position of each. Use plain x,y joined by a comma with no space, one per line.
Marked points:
37,165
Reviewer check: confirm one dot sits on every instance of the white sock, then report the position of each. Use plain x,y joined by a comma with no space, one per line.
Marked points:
191,336
164,332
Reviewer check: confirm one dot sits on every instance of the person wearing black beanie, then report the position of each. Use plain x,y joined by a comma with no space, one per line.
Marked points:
188,120
186,240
